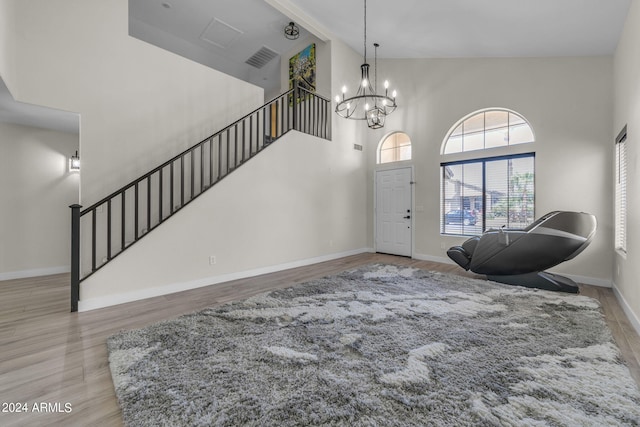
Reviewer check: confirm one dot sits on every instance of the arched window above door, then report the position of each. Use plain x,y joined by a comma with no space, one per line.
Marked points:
395,147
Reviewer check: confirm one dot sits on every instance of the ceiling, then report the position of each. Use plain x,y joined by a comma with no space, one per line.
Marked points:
474,28
223,34
12,111
403,28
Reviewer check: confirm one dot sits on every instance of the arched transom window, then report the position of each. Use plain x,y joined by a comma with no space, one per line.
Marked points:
488,129
395,148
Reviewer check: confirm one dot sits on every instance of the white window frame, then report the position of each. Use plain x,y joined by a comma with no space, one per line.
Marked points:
620,227
484,132
381,144
479,155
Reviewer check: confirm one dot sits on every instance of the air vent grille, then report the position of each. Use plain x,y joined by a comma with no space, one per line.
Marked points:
261,57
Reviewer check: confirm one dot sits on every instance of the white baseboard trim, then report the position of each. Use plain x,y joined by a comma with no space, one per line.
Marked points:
34,272
96,303
633,317
442,260
594,281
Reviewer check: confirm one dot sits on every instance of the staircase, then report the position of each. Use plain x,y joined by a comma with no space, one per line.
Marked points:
107,228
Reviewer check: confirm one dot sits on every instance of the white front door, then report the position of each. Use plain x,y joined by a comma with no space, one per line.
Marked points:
393,211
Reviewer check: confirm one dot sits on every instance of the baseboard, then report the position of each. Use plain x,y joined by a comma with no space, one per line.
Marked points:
442,260
34,273
633,317
95,303
594,281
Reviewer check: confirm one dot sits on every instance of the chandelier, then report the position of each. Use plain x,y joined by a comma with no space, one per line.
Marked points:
366,104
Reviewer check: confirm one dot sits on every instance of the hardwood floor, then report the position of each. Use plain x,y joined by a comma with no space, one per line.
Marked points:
53,357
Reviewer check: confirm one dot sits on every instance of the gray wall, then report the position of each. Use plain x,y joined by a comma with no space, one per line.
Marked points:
36,188
627,111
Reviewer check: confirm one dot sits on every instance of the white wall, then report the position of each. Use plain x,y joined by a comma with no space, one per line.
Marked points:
301,200
139,104
345,70
37,189
568,102
6,48
627,111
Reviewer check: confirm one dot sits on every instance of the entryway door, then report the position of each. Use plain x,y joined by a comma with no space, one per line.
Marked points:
393,211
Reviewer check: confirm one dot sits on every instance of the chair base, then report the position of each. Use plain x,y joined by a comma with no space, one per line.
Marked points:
540,280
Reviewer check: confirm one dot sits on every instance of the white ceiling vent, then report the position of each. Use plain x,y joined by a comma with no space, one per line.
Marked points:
261,57
220,33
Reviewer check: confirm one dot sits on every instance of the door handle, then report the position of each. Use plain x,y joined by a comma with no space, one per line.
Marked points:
407,217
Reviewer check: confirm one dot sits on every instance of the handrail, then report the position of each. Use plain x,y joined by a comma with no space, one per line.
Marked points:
151,199
177,157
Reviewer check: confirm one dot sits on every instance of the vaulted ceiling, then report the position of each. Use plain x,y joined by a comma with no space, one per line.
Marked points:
224,34
474,28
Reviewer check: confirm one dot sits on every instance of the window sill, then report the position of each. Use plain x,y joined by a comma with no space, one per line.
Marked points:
621,253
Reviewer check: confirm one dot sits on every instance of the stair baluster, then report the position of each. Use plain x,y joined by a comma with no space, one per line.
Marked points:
297,109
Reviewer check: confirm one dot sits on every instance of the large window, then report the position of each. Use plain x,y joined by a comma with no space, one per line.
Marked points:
488,193
395,148
480,191
621,192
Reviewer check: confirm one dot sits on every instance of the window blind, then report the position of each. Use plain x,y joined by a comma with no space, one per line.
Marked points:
480,194
621,191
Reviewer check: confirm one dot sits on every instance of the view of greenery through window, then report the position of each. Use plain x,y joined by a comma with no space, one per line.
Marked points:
488,193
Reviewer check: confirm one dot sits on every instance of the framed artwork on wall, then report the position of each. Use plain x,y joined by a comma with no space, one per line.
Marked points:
302,67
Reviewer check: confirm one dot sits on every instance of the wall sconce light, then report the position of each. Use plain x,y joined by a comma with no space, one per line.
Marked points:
74,163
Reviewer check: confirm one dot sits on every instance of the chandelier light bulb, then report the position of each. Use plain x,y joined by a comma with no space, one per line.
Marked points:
366,106
344,89
386,84
365,82
337,98
394,93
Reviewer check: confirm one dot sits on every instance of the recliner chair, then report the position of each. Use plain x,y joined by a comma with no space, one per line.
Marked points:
518,256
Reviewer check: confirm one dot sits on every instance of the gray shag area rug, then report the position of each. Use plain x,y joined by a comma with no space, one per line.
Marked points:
380,345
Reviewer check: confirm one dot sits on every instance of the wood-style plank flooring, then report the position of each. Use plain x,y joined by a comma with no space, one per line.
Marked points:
51,356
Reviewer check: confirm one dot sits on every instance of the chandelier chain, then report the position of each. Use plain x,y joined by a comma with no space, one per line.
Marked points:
375,68
367,104
365,31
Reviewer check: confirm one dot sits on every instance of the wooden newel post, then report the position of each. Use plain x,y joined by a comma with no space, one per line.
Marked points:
75,256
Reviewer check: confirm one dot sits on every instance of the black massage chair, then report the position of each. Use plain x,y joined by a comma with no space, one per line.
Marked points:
518,256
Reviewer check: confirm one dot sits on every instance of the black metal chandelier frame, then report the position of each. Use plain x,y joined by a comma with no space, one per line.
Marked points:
367,104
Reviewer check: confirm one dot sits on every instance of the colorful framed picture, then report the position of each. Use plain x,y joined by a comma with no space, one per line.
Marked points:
302,67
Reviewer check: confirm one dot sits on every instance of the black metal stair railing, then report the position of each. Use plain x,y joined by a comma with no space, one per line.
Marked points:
107,228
